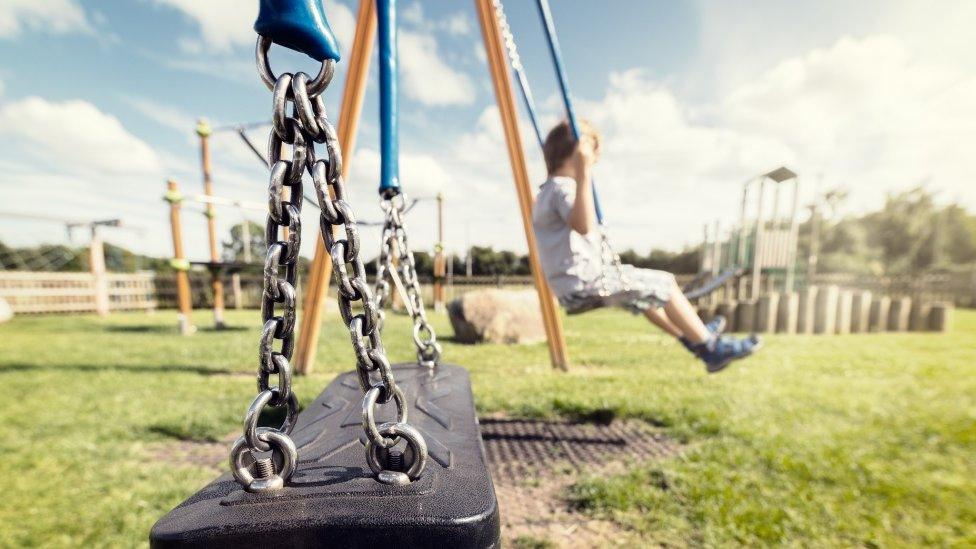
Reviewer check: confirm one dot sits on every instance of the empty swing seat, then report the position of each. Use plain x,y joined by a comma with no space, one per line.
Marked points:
334,500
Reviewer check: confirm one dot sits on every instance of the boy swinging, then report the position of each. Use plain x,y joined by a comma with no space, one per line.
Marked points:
565,226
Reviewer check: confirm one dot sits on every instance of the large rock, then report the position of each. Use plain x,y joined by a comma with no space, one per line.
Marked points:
6,313
497,316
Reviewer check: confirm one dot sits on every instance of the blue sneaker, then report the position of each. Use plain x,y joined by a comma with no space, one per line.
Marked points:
719,352
715,326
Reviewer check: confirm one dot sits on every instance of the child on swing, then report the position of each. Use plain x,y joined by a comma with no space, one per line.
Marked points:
564,220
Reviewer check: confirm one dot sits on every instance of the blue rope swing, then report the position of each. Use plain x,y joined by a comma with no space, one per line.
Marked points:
546,14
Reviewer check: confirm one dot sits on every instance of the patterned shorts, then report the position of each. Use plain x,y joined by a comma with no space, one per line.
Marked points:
634,289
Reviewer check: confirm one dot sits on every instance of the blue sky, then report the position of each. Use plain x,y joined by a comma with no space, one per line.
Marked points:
98,102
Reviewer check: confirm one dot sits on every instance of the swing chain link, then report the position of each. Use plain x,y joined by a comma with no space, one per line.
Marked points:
610,259
306,125
394,242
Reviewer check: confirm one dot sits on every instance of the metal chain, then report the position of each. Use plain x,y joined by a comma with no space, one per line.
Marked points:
308,124
394,240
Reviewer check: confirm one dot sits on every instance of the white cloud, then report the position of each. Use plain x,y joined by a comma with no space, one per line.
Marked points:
458,24
413,13
868,112
76,136
54,16
164,115
427,77
223,23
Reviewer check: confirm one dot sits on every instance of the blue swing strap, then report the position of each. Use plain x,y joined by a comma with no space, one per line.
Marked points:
389,110
557,61
298,25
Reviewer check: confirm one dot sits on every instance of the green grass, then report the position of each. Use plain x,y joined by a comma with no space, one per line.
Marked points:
820,441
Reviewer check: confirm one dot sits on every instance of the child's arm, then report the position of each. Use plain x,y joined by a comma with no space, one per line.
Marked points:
582,218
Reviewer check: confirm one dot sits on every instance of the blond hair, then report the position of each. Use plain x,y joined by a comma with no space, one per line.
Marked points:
560,143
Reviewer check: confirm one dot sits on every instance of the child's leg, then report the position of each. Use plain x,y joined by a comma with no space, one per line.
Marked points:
684,316
658,318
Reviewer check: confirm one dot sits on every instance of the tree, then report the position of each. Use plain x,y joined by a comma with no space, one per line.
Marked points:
233,249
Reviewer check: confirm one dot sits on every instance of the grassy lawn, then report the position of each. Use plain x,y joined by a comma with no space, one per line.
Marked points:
855,440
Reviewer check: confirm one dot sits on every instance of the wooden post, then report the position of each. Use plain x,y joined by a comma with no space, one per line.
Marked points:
900,314
216,283
183,303
501,80
740,254
716,261
767,311
805,313
880,309
860,311
825,312
788,314
440,266
940,317
919,317
792,242
845,308
96,262
354,89
757,258
745,316
727,309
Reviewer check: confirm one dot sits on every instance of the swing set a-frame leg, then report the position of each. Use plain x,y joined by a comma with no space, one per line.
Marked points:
321,269
501,80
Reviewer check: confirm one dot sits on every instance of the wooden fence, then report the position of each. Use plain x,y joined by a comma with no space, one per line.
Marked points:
43,292
47,292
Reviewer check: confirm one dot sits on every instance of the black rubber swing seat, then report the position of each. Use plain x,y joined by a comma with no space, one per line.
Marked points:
333,498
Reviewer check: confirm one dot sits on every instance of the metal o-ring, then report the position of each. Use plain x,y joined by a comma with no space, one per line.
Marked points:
316,86
373,433
277,442
414,439
254,413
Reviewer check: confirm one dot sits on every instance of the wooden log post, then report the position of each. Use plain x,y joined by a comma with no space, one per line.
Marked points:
899,314
845,302
860,311
788,313
745,316
767,310
216,282
919,318
825,315
235,290
96,263
440,265
757,242
880,309
727,309
354,89
807,308
940,317
183,302
501,81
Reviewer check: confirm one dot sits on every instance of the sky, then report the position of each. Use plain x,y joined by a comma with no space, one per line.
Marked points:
98,101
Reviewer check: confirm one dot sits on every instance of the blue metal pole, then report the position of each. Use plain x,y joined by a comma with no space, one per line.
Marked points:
389,115
557,61
529,104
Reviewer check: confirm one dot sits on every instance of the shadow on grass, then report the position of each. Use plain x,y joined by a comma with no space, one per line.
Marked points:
144,329
147,369
214,329
170,330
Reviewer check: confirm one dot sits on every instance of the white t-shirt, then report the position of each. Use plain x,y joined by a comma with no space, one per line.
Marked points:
571,261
